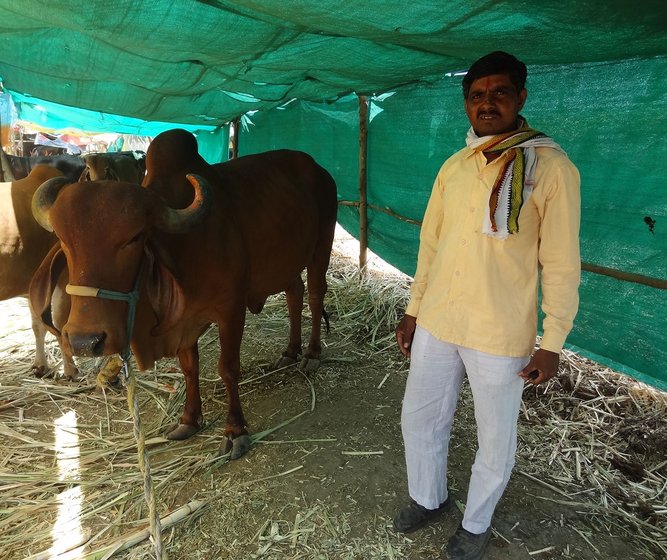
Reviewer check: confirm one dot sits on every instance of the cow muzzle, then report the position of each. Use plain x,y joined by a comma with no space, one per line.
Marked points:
87,345
92,344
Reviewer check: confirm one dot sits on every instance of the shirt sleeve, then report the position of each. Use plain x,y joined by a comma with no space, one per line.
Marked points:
559,254
428,244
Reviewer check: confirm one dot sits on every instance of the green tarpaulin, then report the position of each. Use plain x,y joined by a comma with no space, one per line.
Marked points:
597,84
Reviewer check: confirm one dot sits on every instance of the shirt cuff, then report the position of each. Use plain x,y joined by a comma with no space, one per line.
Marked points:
553,342
412,308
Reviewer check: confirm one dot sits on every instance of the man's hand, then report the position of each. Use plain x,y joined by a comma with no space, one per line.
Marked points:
404,333
543,366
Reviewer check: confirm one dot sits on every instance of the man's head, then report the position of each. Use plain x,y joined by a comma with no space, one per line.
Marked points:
494,93
497,62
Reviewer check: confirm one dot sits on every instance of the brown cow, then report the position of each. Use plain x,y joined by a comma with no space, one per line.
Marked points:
23,245
113,167
247,231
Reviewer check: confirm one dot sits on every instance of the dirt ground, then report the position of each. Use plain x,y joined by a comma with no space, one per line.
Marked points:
323,486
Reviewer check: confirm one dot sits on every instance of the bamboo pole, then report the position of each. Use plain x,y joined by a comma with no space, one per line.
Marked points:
625,276
2,171
385,210
363,198
234,138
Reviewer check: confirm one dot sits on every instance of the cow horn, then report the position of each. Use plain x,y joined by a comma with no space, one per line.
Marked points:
180,221
44,198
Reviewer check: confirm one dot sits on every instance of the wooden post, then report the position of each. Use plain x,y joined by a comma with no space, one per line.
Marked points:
234,151
658,283
2,171
363,198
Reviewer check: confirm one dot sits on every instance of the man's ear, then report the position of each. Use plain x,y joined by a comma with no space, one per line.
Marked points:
523,95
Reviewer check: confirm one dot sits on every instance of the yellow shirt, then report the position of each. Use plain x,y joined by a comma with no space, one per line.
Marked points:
480,292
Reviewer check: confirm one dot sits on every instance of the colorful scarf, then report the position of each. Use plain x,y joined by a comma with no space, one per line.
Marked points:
516,179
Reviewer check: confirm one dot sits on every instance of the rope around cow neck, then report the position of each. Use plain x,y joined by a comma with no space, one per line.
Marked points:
144,463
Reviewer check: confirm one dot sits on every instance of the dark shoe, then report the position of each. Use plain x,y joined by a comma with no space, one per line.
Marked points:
413,516
464,545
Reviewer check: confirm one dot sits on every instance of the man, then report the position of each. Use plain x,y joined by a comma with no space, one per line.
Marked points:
501,209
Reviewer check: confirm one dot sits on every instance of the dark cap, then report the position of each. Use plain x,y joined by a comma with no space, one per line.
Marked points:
497,62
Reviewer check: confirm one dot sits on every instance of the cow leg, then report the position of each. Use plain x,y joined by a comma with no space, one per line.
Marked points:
294,297
191,419
69,367
229,369
317,287
40,367
60,306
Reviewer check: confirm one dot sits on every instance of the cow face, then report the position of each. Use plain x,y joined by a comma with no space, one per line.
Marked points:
98,168
103,229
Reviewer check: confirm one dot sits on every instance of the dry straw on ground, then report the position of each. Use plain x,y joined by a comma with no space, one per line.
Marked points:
594,438
600,439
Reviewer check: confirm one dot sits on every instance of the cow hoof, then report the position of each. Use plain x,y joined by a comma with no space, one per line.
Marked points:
309,364
180,431
284,361
238,446
41,371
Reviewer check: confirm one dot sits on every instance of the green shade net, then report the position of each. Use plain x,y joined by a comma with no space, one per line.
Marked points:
207,62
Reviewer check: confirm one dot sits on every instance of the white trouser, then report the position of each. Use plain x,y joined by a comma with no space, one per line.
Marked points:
436,372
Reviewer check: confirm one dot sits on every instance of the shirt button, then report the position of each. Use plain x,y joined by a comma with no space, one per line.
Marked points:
457,273
463,241
472,209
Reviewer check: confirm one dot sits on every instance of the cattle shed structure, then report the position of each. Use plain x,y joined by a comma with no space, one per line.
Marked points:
373,91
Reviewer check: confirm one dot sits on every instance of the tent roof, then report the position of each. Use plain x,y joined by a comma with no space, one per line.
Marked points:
206,62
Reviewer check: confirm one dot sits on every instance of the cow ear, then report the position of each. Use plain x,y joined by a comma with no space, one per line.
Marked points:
165,294
44,283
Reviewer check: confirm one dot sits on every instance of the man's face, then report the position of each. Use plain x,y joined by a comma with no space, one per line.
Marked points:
493,104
